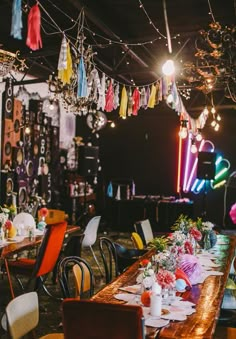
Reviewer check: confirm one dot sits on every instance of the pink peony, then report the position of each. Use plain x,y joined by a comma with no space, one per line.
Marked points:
188,247
165,278
8,224
196,234
232,213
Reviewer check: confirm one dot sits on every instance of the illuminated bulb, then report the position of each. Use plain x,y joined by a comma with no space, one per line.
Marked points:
51,107
205,111
218,117
213,123
199,137
168,68
113,125
216,128
183,133
27,130
213,110
193,148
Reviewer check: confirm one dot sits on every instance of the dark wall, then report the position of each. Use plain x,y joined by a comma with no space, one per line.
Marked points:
145,148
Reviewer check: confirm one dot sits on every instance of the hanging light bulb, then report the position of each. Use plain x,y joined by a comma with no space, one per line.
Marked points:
217,127
168,68
199,135
170,98
113,125
193,147
205,111
213,110
27,130
183,133
213,123
218,118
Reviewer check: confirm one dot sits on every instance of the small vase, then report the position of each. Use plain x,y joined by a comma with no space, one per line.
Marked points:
206,241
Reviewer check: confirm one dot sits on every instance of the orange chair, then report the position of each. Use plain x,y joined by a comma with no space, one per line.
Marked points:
85,319
37,269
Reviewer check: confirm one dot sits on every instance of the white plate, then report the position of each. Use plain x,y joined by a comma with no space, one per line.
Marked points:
124,296
131,289
174,316
154,322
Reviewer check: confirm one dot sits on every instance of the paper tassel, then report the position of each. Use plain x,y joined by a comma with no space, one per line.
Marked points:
16,23
136,101
116,96
94,84
62,61
147,96
101,99
81,80
151,101
34,40
123,103
130,102
109,98
118,193
143,98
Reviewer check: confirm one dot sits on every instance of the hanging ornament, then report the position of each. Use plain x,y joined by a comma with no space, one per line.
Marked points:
109,98
151,101
102,99
16,23
136,101
81,80
34,40
123,103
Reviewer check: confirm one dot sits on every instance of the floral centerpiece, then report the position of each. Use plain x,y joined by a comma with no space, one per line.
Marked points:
7,229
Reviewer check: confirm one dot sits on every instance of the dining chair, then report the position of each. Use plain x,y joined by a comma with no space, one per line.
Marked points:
83,277
137,241
90,237
22,314
126,256
86,319
144,229
38,269
54,216
109,258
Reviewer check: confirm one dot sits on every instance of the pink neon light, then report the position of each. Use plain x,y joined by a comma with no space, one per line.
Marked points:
194,166
187,163
179,164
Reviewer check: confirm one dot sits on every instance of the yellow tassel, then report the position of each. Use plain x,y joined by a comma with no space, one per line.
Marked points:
151,101
123,103
66,74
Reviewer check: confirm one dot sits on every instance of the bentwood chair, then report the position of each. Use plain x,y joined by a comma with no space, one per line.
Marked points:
86,319
82,274
22,315
38,269
90,237
144,229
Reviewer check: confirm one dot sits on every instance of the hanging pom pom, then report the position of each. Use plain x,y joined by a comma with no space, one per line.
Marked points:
34,40
82,80
16,23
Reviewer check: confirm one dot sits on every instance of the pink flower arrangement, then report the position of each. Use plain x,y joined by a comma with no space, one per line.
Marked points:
8,225
194,232
165,278
188,247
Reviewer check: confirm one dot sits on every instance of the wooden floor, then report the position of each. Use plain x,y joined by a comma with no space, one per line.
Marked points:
50,311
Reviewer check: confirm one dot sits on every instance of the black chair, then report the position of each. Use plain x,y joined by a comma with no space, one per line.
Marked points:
116,258
83,277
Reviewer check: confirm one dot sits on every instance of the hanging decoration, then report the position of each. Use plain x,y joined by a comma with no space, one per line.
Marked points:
16,23
11,62
34,40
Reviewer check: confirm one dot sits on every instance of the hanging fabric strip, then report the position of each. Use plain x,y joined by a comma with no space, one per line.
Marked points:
16,23
109,98
81,80
62,61
136,101
94,84
123,103
66,74
102,99
34,40
143,98
116,96
151,101
147,96
130,102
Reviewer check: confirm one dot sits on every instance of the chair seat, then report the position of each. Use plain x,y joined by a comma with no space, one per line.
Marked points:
53,336
22,265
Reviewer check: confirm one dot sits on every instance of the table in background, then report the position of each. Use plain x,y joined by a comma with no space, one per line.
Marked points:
207,297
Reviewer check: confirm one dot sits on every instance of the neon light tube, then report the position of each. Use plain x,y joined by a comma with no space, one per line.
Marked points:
187,163
179,165
194,166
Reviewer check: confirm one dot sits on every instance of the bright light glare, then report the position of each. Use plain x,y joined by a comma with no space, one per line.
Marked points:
168,68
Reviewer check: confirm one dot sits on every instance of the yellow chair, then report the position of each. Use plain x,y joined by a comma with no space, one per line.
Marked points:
137,241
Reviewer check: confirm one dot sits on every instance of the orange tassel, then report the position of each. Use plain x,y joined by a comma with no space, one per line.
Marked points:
34,40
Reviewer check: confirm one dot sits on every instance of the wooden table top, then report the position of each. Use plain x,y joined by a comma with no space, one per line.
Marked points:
15,247
207,297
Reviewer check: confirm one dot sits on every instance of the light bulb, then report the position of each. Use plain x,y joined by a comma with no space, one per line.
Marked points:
27,130
168,68
199,137
170,98
193,148
218,117
213,110
113,125
213,123
183,133
217,127
205,111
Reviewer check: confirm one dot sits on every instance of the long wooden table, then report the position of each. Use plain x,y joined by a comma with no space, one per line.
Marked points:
207,297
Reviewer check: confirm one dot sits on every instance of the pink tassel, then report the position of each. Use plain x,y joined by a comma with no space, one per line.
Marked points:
109,98
136,101
34,40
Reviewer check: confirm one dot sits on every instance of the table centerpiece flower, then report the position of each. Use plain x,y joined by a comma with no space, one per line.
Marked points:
7,230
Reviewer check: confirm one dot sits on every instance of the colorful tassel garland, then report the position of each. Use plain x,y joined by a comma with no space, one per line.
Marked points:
82,80
16,23
123,103
34,40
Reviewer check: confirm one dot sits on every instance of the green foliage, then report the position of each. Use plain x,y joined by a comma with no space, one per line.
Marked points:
160,243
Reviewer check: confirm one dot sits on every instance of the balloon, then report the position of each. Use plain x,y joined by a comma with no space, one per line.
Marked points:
179,274
180,285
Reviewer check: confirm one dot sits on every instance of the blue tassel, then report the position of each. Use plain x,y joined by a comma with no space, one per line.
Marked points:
82,80
110,190
16,23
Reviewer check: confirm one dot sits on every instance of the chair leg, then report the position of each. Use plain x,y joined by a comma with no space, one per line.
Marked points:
9,278
96,260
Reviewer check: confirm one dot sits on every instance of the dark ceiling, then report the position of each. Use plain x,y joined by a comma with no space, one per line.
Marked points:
111,24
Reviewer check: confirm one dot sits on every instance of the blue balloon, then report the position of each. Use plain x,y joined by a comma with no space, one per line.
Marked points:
180,285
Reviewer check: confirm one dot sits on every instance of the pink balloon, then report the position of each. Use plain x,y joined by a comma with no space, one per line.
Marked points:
232,213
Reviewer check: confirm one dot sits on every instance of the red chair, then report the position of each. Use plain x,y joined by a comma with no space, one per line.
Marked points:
86,319
38,269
